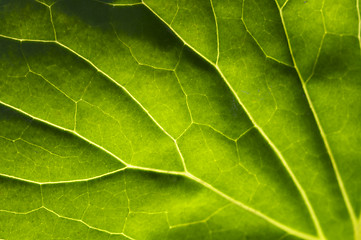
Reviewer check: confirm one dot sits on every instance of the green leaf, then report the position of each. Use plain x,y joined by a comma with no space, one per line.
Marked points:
158,119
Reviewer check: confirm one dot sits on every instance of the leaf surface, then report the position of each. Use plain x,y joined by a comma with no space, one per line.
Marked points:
207,119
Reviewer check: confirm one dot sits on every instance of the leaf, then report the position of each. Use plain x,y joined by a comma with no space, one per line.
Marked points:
122,119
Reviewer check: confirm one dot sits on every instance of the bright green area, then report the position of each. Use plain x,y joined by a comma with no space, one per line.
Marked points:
207,119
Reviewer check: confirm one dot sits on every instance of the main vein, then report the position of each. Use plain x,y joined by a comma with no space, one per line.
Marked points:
321,130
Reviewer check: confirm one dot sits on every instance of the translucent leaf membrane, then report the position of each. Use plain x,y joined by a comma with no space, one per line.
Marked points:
179,119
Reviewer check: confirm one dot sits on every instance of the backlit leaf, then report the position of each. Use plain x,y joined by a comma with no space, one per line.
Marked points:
180,119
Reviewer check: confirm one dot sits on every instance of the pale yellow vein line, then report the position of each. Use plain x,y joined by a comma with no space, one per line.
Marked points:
321,43
324,137
258,44
62,181
284,4
358,230
51,15
255,212
176,13
52,23
119,4
21,213
128,203
181,156
84,223
78,220
7,139
41,195
53,85
42,148
133,55
185,130
217,131
186,99
184,93
244,133
44,4
179,173
128,167
217,31
27,40
64,217
204,220
75,116
316,61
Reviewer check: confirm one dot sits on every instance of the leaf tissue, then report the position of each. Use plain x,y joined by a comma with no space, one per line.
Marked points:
180,119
